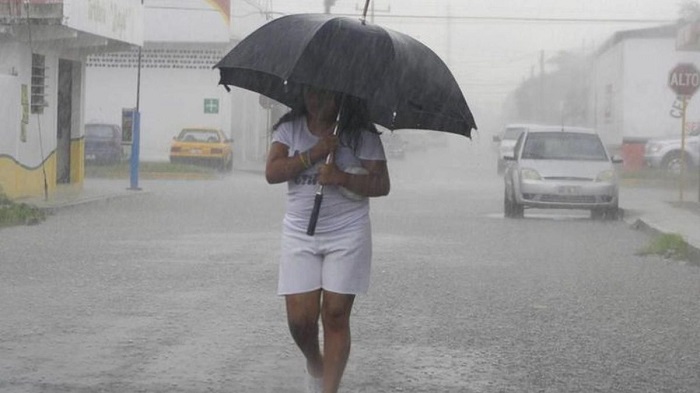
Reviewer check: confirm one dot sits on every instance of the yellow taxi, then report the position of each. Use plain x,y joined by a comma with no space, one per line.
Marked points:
202,146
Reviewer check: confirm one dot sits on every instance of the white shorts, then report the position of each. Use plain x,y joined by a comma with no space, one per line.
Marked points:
337,261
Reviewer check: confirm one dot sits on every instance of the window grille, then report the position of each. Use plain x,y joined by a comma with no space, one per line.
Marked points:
38,100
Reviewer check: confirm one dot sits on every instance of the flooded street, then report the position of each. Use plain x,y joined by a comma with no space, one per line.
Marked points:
499,108
173,290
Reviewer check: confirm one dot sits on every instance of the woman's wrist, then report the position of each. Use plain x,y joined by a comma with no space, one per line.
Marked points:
310,155
305,160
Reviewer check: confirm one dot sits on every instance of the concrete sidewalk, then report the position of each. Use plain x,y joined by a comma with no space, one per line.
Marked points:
660,211
93,190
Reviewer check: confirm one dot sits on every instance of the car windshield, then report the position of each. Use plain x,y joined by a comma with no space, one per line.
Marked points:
98,131
563,146
512,133
209,136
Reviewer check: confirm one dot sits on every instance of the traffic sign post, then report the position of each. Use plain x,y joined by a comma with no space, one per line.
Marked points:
684,80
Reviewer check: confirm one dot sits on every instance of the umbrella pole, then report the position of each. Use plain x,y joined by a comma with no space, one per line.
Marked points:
318,199
364,13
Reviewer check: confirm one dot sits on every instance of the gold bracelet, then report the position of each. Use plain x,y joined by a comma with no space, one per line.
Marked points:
303,162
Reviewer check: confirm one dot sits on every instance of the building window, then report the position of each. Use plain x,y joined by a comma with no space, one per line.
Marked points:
38,83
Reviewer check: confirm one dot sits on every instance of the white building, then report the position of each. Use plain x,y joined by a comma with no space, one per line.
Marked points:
43,49
183,39
630,96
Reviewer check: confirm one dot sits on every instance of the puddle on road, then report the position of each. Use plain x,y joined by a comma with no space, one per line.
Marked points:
547,216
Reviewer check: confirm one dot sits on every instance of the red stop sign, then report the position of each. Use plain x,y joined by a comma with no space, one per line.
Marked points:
684,79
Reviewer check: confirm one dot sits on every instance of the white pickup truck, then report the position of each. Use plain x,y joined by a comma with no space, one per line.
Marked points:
665,153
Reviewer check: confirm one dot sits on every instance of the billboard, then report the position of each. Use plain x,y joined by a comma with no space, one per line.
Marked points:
223,7
182,21
120,20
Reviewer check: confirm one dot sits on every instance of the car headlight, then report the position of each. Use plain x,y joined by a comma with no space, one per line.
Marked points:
606,176
653,148
529,174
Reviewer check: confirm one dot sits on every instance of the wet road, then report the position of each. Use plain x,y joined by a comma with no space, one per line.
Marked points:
174,291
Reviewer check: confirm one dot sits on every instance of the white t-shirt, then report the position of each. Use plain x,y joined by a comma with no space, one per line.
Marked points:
336,211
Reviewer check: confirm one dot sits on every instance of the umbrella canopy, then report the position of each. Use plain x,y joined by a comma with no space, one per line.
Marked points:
405,84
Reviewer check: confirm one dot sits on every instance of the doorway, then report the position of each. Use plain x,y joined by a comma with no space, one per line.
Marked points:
64,116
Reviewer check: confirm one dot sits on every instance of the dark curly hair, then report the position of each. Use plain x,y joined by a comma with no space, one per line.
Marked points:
354,117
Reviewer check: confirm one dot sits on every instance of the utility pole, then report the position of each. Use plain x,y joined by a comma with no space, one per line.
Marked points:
327,4
449,34
541,98
136,129
373,10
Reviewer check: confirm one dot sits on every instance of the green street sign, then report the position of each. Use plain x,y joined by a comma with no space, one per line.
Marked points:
211,105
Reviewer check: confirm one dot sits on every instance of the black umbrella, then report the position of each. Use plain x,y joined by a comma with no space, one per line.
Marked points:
405,84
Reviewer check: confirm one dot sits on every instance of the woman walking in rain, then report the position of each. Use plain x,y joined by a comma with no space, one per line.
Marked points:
320,275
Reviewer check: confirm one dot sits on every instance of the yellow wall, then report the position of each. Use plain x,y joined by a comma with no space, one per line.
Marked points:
18,181
77,161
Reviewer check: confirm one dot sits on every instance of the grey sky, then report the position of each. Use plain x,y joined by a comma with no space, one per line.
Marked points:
489,57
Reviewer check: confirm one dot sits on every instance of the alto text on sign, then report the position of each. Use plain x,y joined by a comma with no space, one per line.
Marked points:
684,79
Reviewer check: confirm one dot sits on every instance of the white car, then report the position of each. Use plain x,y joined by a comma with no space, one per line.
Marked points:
554,167
506,142
665,153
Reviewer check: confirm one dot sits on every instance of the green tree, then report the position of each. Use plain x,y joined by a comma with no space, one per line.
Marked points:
689,11
557,96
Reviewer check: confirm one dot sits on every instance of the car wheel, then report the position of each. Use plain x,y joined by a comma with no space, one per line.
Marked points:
507,205
608,214
512,209
672,163
597,214
518,209
612,213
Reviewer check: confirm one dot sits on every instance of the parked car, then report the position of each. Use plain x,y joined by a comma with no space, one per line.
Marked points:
103,143
556,167
506,141
665,153
202,146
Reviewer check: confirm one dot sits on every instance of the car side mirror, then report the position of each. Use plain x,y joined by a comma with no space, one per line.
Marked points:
616,159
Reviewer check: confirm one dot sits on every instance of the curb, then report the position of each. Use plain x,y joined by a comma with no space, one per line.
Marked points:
643,226
54,207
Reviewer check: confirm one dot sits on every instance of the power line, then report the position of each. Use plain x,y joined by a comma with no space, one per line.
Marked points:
165,7
255,5
457,17
518,19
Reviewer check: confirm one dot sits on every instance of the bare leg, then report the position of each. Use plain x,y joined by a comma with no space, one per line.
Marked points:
335,314
302,317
